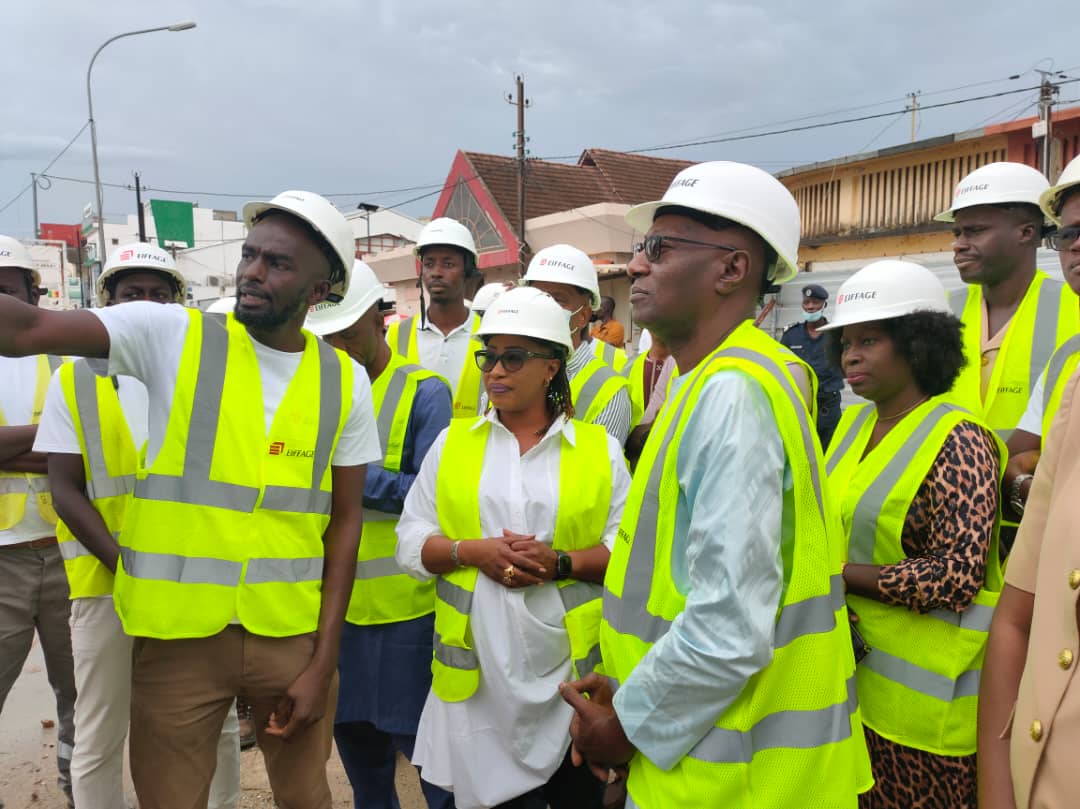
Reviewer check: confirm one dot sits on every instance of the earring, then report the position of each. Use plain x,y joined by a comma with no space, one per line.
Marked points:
547,382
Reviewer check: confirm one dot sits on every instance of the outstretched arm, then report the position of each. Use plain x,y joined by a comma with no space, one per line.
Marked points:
26,330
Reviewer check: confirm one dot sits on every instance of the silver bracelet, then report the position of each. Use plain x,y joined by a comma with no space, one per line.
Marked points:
454,555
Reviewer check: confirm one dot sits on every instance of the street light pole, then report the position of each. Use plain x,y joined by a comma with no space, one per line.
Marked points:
178,26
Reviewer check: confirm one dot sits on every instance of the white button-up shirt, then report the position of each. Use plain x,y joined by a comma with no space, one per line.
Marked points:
513,733
445,354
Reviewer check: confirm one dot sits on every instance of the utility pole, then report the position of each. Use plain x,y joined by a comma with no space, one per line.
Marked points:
37,228
913,108
1043,128
521,103
139,208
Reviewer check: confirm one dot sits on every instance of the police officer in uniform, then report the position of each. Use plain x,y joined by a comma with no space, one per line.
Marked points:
805,339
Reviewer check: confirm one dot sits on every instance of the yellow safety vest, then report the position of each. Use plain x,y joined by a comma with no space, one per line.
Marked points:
1061,367
401,336
1047,317
612,355
793,736
16,487
919,684
228,522
110,461
584,503
593,388
383,593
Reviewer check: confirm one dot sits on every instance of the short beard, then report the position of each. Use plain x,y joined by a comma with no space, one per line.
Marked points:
272,319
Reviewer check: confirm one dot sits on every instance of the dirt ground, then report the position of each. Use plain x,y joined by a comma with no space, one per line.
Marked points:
28,756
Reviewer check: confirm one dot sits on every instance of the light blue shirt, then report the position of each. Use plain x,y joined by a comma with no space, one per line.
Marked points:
735,502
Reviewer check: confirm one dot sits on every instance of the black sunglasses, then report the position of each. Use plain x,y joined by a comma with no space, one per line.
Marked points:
513,359
652,245
1064,238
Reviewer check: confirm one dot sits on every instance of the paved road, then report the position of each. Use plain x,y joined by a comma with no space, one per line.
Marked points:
28,751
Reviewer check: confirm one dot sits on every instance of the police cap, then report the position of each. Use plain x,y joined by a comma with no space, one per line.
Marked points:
815,291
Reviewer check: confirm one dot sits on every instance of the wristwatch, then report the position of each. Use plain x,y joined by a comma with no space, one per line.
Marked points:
1015,500
564,565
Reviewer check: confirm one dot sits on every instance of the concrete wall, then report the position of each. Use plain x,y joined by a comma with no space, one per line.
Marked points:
209,266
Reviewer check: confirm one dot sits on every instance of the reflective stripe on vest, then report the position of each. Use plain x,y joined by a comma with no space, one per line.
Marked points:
923,665
593,388
382,592
17,487
1061,367
466,389
72,550
796,729
841,447
625,613
228,521
584,503
609,354
107,447
811,732
1046,317
195,487
99,484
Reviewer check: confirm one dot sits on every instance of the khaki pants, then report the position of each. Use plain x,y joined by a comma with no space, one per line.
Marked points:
34,597
103,679
181,691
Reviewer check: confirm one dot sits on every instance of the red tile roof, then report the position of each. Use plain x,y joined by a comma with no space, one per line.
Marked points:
600,175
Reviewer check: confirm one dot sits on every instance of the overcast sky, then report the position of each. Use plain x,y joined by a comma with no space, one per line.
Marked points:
360,98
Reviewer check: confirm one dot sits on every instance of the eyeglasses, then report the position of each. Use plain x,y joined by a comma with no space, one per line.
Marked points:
1064,238
652,245
513,359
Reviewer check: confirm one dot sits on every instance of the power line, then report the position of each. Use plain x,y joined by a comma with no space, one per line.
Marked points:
128,187
750,133
826,124
839,111
41,173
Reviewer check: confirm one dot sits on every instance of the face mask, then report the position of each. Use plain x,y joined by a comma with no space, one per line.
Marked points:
813,317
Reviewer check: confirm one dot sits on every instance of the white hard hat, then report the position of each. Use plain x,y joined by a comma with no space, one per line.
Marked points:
996,184
222,306
139,256
527,312
365,290
14,253
446,231
1050,201
565,264
485,296
743,194
327,221
887,289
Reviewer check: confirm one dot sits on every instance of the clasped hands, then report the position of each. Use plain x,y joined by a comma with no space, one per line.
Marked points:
513,560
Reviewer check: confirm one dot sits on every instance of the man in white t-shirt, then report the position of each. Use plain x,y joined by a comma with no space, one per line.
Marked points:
108,416
33,588
239,547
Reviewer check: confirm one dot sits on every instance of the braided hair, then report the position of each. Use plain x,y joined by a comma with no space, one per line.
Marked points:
558,398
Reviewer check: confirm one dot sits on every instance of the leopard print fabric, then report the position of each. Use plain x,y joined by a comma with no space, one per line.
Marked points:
948,528
946,536
906,778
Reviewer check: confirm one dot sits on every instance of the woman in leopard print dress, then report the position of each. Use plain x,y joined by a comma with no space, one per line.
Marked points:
916,478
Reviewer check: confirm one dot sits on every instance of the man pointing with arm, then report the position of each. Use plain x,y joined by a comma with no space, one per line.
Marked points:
239,546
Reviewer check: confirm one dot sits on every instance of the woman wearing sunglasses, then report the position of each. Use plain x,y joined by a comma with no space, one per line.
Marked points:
916,480
514,513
